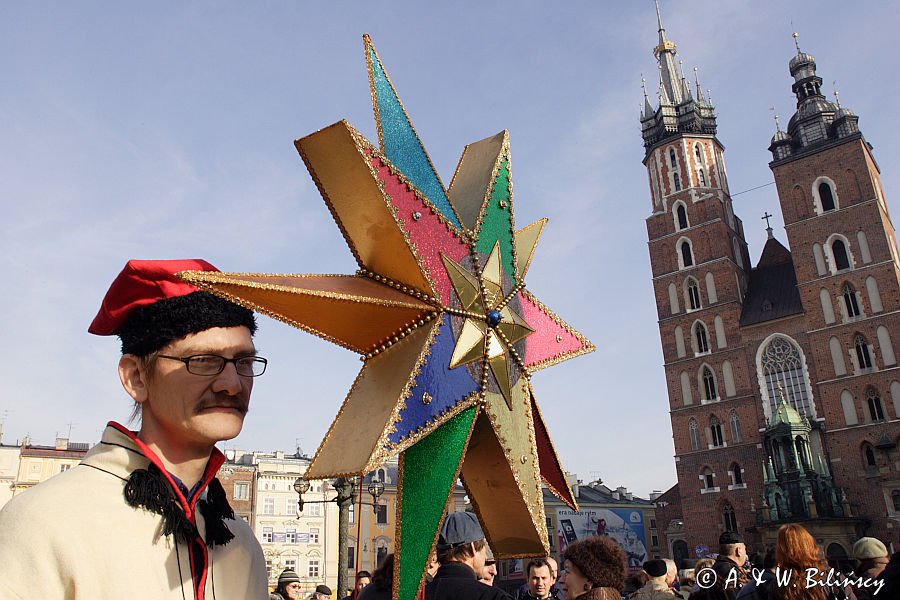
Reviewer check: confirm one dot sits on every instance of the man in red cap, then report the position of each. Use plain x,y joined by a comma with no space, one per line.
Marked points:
143,514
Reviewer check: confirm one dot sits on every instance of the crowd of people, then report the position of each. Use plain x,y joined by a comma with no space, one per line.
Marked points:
595,569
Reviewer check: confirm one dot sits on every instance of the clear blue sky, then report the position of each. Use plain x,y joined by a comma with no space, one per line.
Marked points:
165,130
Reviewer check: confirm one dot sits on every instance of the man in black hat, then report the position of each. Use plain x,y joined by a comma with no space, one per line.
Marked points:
462,554
729,566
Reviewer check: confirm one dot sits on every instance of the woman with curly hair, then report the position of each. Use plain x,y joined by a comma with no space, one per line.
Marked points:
800,570
593,569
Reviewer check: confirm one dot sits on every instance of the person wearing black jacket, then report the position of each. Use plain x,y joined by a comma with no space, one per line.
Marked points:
461,552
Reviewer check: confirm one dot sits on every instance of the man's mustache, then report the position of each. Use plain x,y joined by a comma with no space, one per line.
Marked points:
223,401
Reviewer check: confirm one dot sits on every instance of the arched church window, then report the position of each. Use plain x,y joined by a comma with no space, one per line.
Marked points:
729,518
698,153
735,427
693,293
687,257
863,357
850,301
715,430
869,457
709,386
702,177
701,339
826,196
681,215
672,160
841,258
783,369
677,180
694,430
876,410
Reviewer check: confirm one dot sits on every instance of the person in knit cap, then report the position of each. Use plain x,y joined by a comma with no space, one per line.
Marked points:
288,586
143,514
593,569
873,558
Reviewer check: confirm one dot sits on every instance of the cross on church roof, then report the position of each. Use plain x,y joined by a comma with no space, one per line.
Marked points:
766,216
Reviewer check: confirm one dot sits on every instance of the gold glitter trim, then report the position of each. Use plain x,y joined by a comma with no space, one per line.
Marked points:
207,281
367,45
398,510
586,346
517,420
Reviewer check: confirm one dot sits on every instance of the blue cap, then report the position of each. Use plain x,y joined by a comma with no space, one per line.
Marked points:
459,528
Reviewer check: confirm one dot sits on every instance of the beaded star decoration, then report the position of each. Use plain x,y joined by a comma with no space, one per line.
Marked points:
448,334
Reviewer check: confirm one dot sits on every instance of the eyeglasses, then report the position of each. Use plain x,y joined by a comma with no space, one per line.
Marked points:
213,364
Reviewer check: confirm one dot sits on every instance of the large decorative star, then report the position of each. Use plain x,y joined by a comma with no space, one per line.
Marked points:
447,331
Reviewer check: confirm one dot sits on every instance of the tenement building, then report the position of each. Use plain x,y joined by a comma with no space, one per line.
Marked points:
783,382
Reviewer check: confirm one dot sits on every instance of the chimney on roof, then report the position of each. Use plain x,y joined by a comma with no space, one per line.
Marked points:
62,443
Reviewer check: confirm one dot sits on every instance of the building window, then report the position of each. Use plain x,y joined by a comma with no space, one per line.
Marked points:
895,498
380,554
268,506
267,535
728,517
290,563
826,196
242,490
64,468
709,385
863,357
841,258
672,160
351,512
693,293
735,427
876,411
700,337
313,535
381,514
681,215
702,177
708,478
315,510
290,536
351,557
313,568
695,434
850,301
687,257
784,370
715,430
869,457
677,178
737,477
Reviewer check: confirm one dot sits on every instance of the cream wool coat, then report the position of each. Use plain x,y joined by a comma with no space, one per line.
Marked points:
74,537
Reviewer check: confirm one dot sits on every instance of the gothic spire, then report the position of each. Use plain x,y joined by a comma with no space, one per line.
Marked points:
665,54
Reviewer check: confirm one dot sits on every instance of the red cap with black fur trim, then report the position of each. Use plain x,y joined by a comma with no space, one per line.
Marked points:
141,283
148,306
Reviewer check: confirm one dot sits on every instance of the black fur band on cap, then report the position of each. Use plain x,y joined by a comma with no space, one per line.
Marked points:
149,328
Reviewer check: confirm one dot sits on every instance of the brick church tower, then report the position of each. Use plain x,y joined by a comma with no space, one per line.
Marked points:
784,391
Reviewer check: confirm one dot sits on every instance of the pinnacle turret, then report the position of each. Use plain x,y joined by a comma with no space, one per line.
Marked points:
678,110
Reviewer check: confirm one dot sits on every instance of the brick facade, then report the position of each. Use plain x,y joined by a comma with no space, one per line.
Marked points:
717,318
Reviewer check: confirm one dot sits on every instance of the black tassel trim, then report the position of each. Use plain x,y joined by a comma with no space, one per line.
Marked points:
215,510
148,489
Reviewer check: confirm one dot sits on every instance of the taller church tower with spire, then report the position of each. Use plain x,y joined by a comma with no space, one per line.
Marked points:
784,389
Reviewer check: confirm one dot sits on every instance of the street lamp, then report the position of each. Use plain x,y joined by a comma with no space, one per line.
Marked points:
344,498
